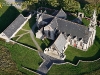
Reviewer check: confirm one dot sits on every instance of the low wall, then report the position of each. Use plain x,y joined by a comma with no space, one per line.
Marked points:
23,45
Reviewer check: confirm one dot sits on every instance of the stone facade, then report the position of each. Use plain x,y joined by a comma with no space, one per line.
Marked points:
82,38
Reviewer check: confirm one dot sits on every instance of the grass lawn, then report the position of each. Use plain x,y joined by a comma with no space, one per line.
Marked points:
8,67
23,57
21,32
68,69
96,72
43,43
30,23
85,22
26,39
3,9
73,55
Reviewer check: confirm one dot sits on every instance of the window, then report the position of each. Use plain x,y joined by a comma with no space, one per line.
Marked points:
80,43
49,33
75,43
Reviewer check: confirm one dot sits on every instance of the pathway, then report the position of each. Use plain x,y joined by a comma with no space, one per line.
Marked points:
48,61
33,39
21,36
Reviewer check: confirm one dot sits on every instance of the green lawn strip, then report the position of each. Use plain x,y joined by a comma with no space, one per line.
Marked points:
85,21
68,69
23,56
26,39
21,32
30,23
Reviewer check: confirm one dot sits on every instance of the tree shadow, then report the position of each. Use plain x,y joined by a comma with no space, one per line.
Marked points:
76,59
97,39
28,45
82,3
32,21
98,18
43,46
28,68
8,17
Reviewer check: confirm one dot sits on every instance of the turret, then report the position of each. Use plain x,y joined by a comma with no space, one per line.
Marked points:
92,27
93,21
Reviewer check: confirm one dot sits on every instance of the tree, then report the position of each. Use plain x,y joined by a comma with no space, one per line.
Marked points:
53,3
88,10
70,5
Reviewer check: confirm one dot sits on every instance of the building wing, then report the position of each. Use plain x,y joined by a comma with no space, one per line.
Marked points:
60,42
12,28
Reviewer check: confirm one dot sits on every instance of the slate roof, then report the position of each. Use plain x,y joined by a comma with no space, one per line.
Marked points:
47,18
61,14
54,24
12,28
60,42
74,29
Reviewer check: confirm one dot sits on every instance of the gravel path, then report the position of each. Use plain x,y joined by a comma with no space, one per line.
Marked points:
32,36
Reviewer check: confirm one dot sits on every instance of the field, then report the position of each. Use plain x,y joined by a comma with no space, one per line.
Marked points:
23,57
9,66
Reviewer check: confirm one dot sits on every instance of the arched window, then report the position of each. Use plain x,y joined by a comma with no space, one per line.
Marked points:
80,43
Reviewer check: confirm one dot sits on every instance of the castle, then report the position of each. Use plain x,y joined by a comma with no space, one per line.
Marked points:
64,32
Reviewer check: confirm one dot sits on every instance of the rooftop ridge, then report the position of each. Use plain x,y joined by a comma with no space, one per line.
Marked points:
72,22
